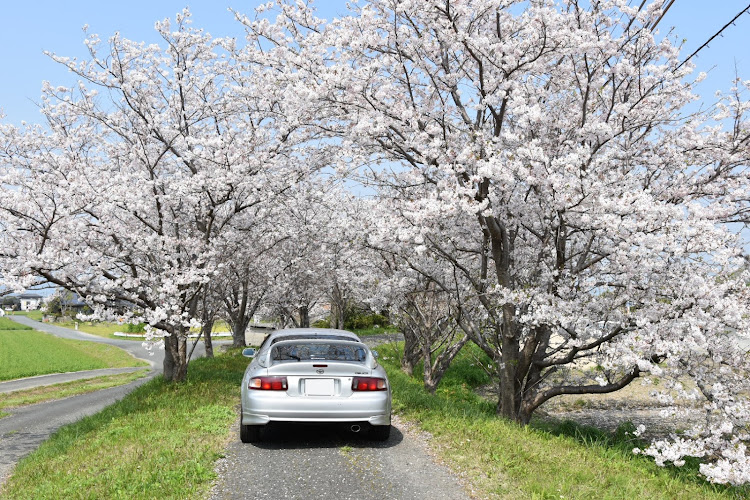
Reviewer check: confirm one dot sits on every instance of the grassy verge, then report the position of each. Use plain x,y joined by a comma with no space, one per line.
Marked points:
543,460
363,332
161,441
107,330
26,353
58,391
35,315
8,324
100,329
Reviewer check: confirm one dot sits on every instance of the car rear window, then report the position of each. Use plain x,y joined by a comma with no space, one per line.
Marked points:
308,337
328,351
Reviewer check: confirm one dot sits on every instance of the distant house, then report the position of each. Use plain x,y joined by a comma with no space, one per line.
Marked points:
30,301
71,303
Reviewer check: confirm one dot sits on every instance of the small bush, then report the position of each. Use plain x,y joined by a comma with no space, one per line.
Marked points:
365,321
322,323
135,328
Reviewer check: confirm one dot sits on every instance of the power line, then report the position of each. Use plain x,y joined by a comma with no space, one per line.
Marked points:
663,12
714,36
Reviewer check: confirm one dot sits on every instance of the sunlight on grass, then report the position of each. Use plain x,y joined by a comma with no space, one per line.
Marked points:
107,330
35,315
162,440
505,460
26,353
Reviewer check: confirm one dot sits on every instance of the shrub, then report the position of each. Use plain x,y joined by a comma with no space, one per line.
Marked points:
135,328
365,321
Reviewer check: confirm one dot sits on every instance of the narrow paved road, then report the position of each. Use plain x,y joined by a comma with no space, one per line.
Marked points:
305,461
26,428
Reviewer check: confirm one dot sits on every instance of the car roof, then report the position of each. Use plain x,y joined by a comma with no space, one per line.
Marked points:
323,333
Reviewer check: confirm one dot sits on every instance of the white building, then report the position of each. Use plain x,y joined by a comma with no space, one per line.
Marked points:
30,301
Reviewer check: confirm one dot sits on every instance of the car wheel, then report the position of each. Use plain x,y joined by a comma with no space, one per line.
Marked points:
380,432
249,433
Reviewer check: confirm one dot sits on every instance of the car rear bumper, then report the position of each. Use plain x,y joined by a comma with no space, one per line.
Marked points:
262,408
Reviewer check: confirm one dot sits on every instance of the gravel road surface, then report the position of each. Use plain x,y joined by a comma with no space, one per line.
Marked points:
310,461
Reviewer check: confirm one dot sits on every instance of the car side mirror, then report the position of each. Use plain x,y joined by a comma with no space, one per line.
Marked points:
375,354
249,352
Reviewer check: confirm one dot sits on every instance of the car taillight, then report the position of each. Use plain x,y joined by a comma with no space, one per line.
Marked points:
368,384
268,383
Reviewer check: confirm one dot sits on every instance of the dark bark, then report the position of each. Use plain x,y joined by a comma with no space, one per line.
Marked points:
240,310
175,357
206,331
434,371
304,317
412,350
238,331
338,307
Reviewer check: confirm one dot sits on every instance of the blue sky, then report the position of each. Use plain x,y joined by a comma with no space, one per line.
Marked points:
28,28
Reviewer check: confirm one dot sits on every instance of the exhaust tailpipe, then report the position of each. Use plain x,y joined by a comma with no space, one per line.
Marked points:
355,428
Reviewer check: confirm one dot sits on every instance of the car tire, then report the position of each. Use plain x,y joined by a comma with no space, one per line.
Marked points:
249,433
379,432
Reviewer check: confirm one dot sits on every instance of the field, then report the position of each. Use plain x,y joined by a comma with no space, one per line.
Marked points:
35,315
107,330
542,460
25,353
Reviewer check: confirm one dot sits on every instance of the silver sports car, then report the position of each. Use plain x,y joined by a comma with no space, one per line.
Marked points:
315,375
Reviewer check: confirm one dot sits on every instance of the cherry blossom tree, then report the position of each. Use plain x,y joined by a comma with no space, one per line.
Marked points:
320,268
545,152
128,193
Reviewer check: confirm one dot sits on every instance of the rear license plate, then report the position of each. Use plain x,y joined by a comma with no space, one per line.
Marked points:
319,386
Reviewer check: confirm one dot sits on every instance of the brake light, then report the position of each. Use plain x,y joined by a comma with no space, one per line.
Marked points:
268,383
368,384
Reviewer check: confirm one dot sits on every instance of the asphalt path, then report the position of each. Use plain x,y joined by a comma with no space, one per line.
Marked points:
26,428
295,461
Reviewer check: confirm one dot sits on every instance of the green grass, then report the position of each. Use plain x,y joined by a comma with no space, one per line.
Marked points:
543,460
35,315
100,329
107,330
161,441
26,353
59,391
9,324
363,332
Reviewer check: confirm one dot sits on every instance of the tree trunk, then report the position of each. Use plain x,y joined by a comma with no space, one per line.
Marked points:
304,317
412,351
207,327
175,357
238,332
428,375
338,308
509,393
